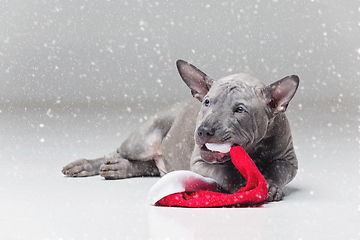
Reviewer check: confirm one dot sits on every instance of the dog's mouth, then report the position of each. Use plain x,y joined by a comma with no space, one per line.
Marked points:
219,147
216,152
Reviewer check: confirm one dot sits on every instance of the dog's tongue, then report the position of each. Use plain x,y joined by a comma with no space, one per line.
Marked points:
219,147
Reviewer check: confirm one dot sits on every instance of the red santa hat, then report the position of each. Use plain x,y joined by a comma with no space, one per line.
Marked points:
188,189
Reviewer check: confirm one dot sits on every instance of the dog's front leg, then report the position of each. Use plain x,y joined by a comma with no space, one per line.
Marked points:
277,175
228,177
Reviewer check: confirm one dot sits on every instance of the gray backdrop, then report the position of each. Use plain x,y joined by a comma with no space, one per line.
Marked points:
105,51
78,76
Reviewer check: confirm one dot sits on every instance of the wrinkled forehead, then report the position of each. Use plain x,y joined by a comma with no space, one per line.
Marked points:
241,79
237,87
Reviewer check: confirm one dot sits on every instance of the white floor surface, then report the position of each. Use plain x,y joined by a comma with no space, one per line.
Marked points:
38,202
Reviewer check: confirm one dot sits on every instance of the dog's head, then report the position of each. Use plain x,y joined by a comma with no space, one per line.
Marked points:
236,110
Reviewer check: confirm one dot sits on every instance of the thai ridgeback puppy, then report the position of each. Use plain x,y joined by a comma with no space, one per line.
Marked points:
197,134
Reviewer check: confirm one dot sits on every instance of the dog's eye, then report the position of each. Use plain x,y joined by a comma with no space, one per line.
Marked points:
240,109
207,103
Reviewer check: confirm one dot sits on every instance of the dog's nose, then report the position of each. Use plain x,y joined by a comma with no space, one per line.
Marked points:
205,132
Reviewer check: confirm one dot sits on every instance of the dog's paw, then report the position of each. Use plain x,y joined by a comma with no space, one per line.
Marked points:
275,193
115,169
79,168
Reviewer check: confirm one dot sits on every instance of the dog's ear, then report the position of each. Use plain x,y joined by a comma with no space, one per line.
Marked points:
195,79
280,93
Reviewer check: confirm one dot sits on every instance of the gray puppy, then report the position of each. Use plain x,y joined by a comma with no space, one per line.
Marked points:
197,134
